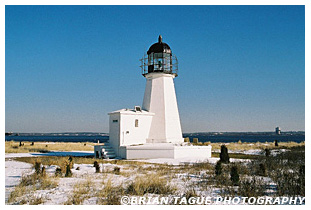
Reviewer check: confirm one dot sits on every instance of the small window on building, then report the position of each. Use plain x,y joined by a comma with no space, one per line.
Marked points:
115,121
136,123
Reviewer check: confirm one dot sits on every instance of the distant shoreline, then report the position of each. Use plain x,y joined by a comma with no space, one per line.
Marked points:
187,133
224,137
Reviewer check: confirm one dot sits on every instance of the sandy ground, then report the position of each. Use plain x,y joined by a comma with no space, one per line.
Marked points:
181,161
13,173
14,170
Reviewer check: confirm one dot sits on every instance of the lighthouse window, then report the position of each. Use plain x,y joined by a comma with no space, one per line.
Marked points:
150,59
115,121
136,123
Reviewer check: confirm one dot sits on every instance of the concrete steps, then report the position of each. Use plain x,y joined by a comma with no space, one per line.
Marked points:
108,151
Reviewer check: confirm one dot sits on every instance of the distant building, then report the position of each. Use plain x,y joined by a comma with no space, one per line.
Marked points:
278,131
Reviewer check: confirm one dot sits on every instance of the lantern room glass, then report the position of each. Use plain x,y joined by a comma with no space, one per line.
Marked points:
160,62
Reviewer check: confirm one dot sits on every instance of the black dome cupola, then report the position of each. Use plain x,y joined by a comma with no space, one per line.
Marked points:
159,59
159,47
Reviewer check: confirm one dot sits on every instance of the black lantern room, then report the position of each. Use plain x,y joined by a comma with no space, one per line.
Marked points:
159,59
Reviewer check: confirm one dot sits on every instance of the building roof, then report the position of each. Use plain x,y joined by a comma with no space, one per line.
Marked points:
159,47
131,111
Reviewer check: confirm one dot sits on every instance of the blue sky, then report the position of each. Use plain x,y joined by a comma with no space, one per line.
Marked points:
241,68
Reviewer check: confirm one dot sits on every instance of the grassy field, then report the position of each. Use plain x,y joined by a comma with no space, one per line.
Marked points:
14,146
279,175
244,146
282,174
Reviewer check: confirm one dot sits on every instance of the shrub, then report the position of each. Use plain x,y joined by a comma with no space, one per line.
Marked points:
222,180
267,152
262,170
58,172
195,140
36,201
97,168
43,172
301,180
70,159
290,183
218,169
37,168
253,187
224,156
186,139
190,193
68,171
116,170
234,175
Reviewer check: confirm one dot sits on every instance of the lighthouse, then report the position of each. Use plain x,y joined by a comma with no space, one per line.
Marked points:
152,130
160,68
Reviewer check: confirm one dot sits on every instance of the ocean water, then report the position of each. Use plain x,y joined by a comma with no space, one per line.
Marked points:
202,138
59,138
248,138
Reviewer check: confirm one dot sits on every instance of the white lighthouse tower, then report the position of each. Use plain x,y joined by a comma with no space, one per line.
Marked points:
160,68
153,130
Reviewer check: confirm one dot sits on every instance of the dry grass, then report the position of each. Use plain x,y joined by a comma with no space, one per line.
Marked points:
81,192
62,161
110,194
251,146
236,155
150,184
13,146
28,184
19,191
36,201
156,179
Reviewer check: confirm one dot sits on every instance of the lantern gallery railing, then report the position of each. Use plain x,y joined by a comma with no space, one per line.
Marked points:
159,62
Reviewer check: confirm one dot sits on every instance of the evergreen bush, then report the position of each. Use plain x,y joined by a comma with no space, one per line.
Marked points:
267,152
234,175
224,156
218,169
